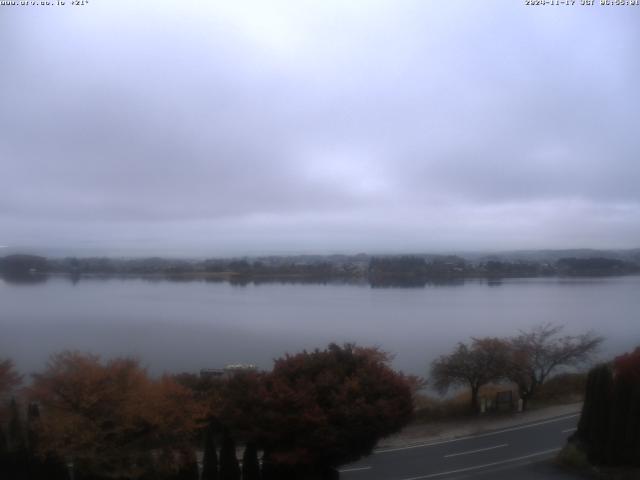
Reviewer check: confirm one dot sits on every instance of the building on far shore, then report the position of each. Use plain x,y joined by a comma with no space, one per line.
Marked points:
227,371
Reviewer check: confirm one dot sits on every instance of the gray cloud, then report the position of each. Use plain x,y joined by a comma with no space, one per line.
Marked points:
319,126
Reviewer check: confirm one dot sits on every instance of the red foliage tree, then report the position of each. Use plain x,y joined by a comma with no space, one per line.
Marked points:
627,366
328,407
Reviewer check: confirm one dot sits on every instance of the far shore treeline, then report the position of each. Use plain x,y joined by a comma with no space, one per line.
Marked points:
377,270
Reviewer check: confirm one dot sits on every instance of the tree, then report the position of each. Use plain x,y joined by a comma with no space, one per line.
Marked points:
102,415
17,454
609,427
472,366
229,468
9,379
210,457
624,429
4,452
329,407
250,464
594,422
239,405
187,465
537,353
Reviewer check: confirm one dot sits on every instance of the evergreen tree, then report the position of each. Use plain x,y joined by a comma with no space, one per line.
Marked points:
210,457
634,426
593,427
18,455
250,464
229,468
619,445
147,463
36,465
33,416
4,454
167,465
268,472
188,467
16,433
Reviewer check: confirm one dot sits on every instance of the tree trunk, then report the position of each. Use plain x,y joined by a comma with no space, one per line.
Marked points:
474,399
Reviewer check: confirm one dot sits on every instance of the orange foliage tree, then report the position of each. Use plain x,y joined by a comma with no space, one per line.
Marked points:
108,417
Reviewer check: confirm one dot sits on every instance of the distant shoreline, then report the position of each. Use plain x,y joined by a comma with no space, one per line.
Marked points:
390,270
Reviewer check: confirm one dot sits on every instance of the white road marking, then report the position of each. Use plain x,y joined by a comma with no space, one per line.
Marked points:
493,464
468,437
569,430
355,469
476,451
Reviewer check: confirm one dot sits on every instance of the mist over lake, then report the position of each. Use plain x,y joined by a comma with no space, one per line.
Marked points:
188,325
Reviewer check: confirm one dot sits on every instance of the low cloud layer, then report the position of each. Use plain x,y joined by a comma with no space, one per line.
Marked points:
253,127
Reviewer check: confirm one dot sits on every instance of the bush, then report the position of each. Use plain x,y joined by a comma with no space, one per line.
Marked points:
573,458
563,388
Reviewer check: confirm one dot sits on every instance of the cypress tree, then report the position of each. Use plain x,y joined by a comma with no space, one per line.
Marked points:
4,454
268,472
188,468
33,416
585,424
229,468
16,433
599,413
147,464
36,465
18,455
619,448
250,464
166,465
210,456
634,426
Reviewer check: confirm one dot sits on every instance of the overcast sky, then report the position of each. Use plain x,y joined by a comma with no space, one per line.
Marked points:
231,127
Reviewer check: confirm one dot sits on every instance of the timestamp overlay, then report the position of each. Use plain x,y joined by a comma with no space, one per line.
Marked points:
583,3
45,3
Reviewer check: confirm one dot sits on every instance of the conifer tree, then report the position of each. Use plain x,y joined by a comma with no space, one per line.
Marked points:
4,454
229,468
600,414
188,467
210,457
250,464
18,465
36,466
267,471
16,433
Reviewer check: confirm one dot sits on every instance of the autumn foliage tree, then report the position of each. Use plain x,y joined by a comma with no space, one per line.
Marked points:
329,407
9,378
473,366
105,415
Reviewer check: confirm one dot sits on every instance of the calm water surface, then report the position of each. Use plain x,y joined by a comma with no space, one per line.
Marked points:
178,326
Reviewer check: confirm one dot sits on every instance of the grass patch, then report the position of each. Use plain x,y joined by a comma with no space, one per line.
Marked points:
574,459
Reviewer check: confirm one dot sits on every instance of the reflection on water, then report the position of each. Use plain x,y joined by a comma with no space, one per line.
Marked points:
24,278
182,323
243,281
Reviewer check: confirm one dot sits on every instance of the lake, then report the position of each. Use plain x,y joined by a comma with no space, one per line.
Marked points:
188,325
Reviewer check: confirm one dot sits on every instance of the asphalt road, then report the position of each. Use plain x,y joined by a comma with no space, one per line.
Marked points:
521,452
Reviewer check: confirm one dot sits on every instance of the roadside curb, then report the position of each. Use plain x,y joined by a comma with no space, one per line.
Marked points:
481,431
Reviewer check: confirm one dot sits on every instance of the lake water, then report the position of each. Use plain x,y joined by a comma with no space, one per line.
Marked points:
184,326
